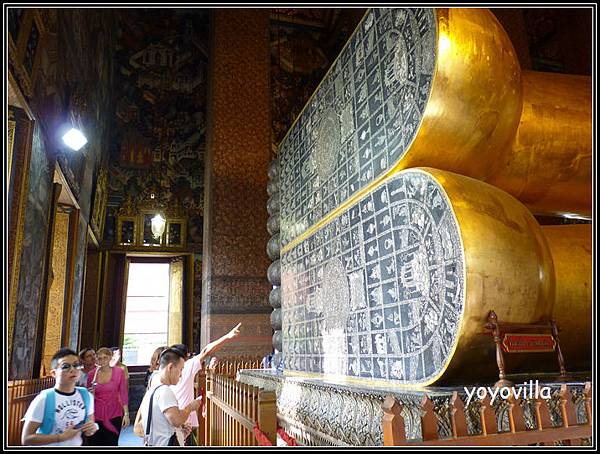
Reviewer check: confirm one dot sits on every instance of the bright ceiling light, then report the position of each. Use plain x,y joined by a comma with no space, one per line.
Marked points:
74,139
158,225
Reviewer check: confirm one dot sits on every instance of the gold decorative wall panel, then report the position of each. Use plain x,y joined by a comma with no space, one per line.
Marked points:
56,296
175,303
548,166
12,126
571,249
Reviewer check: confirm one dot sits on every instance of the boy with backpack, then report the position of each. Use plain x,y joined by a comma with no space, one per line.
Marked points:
58,416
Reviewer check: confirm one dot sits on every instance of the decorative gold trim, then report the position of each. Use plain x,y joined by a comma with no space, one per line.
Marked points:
92,237
14,86
182,232
142,222
12,126
70,283
100,199
45,298
120,221
30,17
123,305
104,259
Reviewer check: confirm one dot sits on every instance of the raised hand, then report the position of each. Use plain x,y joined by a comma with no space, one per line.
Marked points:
213,363
234,332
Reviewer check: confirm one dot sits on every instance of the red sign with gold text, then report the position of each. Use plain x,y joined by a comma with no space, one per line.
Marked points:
526,343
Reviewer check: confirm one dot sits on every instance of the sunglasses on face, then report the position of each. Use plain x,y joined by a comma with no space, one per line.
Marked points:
67,366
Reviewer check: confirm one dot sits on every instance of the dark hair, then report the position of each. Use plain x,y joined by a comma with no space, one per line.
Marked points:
85,350
170,356
180,348
61,353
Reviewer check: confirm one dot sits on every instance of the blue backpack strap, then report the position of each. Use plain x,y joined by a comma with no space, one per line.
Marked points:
49,412
85,395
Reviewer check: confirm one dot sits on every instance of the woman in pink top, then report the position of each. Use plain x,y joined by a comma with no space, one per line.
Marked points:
110,400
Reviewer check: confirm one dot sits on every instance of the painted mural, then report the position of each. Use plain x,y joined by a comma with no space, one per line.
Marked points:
33,260
62,62
159,126
304,43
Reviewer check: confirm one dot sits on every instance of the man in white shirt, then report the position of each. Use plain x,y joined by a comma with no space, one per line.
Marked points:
184,389
166,415
70,410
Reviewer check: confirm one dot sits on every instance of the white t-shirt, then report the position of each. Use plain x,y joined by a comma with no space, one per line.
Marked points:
184,389
70,411
161,429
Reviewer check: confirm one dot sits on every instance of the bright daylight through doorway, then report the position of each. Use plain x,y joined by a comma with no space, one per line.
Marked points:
147,311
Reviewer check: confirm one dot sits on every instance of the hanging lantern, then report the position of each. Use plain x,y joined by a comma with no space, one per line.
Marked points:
158,225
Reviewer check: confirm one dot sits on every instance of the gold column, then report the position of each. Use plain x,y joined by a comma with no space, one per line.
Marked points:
549,165
529,133
475,100
571,249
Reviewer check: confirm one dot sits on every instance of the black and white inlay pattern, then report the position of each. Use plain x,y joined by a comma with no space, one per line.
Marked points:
361,119
377,292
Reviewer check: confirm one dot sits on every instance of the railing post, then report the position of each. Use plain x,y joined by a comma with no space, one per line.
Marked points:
267,414
516,419
20,394
429,429
458,420
207,420
567,407
587,397
201,384
394,433
568,412
489,425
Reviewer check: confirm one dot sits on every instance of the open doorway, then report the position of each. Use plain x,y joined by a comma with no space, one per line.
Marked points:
153,308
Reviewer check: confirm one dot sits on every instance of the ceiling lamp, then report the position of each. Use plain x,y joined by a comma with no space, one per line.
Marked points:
158,225
74,139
